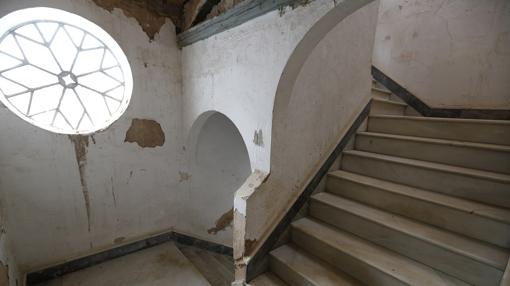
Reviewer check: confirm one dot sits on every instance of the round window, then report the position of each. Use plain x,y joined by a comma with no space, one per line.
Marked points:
62,72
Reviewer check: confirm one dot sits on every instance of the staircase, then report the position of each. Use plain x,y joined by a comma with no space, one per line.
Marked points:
417,201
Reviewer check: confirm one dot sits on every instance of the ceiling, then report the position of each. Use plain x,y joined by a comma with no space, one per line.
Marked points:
152,14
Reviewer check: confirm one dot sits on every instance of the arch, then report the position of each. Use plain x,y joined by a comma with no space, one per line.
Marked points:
218,164
323,87
305,47
324,84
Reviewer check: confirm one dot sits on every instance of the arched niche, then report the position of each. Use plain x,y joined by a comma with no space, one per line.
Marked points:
218,164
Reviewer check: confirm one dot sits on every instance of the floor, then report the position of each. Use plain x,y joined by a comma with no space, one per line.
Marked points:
161,265
216,268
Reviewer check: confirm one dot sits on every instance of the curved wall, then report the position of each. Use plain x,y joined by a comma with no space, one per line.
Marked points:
236,72
219,164
324,86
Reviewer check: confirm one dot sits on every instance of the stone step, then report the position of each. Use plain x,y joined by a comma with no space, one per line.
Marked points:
482,186
371,264
381,93
488,157
480,221
467,259
386,106
267,279
471,130
298,268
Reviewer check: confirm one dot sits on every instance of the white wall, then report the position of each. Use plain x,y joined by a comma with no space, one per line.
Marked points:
137,191
133,191
219,165
236,72
450,54
324,86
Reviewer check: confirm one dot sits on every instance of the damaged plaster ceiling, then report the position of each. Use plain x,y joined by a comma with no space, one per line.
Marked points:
152,14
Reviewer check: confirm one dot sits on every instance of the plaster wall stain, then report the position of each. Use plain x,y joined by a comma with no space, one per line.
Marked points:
113,193
184,176
170,259
146,133
223,222
81,144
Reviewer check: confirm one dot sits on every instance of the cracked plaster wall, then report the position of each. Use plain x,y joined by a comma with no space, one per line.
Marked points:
237,71
449,53
71,195
133,191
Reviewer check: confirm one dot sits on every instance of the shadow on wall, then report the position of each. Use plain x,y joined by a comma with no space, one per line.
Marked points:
219,164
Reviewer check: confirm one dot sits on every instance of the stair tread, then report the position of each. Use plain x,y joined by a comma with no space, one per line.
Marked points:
495,147
312,268
488,254
381,90
267,279
392,263
387,101
443,119
470,207
435,166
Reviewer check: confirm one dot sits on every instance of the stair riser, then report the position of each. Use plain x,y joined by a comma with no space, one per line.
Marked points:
266,279
347,263
427,253
285,273
475,158
383,108
461,131
412,112
380,94
297,267
469,187
469,224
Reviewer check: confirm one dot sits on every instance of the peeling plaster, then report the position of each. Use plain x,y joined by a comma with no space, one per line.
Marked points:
149,19
81,144
222,7
294,5
223,222
146,133
249,246
190,11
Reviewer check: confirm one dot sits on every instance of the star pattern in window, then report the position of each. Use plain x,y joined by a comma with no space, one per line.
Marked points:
60,77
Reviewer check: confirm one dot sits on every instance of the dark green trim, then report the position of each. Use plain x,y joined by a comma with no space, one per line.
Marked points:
94,259
428,111
236,16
